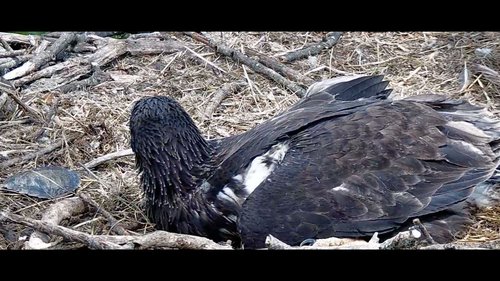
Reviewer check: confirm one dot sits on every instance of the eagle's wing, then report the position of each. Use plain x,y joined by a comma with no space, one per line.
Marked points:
369,171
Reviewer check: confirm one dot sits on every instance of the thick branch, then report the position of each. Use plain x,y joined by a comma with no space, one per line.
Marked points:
157,239
54,214
219,96
279,67
36,62
253,64
13,62
12,53
331,39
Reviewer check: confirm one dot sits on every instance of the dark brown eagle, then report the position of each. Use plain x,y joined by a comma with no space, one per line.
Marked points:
345,161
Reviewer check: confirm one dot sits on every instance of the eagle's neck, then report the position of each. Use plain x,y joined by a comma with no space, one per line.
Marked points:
174,161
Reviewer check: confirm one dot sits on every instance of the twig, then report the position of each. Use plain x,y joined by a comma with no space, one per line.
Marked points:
157,239
330,39
12,53
54,214
280,67
424,231
220,95
253,64
13,93
108,157
48,119
34,155
204,59
273,243
114,224
36,62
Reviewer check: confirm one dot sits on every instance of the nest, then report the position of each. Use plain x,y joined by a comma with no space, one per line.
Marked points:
92,120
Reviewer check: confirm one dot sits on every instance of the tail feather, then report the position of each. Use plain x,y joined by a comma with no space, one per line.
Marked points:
349,88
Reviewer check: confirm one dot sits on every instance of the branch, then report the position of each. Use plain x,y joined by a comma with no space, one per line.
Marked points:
108,157
19,38
220,95
37,154
12,53
279,67
331,39
114,224
54,214
157,239
13,93
44,57
253,64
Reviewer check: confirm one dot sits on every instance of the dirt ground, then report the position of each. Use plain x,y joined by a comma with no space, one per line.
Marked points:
414,63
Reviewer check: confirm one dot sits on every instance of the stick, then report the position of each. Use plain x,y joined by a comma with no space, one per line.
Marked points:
205,60
114,224
157,239
34,155
12,53
54,214
330,39
36,62
424,231
279,67
220,95
13,93
253,64
108,157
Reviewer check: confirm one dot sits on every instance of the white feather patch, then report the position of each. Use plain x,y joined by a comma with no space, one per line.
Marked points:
259,170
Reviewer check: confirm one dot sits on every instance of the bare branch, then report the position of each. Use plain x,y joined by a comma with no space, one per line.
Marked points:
38,61
253,64
54,214
108,157
331,39
37,154
157,239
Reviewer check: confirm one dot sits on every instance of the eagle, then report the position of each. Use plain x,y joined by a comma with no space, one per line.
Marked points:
347,160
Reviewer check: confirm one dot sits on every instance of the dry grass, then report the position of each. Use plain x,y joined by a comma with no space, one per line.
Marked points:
414,63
